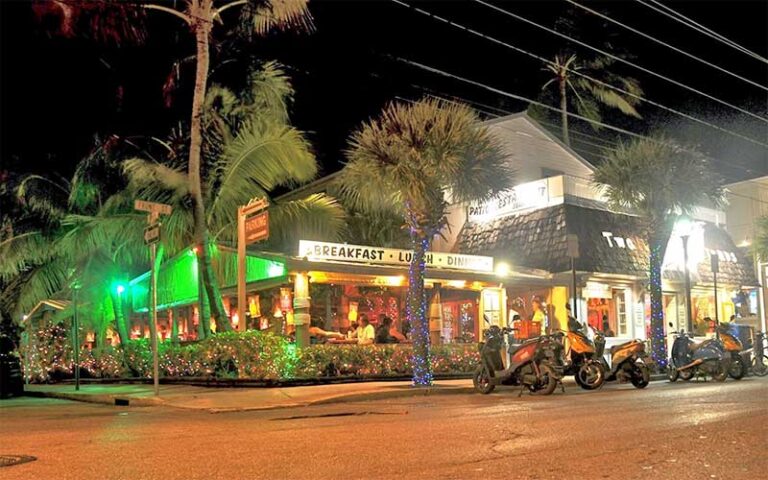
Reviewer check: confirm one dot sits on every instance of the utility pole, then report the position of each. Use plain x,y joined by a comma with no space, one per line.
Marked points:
152,238
715,260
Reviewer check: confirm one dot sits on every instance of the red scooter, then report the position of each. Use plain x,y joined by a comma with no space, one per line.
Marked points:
533,364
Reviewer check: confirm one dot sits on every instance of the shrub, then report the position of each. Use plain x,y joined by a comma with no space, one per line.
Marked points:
254,355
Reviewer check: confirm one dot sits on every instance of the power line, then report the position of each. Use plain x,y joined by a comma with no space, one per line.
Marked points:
570,114
575,72
600,155
618,59
660,42
678,17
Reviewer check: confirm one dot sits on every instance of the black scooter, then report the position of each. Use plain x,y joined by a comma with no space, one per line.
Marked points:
690,358
532,363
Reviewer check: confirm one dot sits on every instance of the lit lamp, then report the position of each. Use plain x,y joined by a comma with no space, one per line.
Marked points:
684,227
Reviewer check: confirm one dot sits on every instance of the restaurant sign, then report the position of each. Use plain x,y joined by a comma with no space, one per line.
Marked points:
319,251
522,197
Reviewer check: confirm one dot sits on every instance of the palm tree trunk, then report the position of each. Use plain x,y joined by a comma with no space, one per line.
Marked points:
416,311
211,286
122,327
657,242
564,109
203,310
202,20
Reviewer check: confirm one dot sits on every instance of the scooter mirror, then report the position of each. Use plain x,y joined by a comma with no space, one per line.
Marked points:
670,324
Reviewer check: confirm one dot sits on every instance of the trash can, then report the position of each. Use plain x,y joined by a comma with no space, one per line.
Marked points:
11,383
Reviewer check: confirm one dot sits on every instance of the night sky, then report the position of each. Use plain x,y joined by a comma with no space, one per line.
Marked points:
58,93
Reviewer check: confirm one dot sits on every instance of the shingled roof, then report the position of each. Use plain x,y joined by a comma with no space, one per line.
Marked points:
609,242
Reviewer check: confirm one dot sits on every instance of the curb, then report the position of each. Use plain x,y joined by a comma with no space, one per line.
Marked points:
114,400
126,401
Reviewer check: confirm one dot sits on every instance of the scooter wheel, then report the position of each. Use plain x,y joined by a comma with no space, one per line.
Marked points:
548,382
590,376
481,379
721,372
672,373
738,368
760,365
686,374
641,376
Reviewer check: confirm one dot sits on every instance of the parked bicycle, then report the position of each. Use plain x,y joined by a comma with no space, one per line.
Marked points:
759,359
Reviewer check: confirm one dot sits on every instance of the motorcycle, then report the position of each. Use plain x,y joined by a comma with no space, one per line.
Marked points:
629,361
529,366
581,360
689,358
733,348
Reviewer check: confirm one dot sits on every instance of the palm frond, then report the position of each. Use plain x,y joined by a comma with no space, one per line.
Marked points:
21,252
155,181
316,217
43,195
262,157
261,17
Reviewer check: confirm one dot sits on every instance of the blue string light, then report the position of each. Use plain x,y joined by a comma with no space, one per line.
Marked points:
416,312
658,343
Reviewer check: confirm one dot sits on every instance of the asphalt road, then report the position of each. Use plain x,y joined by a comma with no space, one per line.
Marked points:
676,431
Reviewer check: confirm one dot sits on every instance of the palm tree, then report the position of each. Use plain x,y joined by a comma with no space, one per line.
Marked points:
659,180
77,237
569,75
413,158
115,20
249,150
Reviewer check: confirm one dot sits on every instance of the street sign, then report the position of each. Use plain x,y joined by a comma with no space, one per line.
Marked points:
152,234
254,206
257,227
152,207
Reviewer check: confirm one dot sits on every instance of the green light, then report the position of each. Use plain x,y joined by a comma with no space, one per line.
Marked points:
120,288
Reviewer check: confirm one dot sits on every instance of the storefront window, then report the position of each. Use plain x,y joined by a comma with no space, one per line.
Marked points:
621,312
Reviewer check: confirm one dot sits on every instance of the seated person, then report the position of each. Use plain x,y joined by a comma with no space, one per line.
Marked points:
352,332
386,333
365,332
318,334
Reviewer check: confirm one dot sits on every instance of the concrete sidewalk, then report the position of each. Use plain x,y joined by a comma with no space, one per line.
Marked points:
219,400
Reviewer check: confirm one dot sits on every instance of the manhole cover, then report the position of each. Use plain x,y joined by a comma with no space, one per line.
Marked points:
8,460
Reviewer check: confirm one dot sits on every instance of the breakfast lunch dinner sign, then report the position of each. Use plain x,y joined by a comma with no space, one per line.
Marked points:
390,256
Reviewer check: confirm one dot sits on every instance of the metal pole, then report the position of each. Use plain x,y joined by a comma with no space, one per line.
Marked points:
153,321
76,341
573,272
241,266
717,313
688,307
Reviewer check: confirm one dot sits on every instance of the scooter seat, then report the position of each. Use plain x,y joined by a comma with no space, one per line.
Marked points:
695,346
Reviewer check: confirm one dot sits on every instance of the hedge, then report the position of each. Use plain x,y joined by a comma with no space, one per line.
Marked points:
252,355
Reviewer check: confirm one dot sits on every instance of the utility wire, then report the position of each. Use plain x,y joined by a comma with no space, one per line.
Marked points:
548,107
618,59
660,42
679,17
576,72
603,156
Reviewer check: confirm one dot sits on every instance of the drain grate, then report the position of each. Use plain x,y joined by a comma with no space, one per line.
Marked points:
8,460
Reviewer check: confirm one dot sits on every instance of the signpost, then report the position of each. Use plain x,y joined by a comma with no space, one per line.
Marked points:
252,226
152,238
715,260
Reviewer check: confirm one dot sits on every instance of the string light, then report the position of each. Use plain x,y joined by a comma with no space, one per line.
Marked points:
658,343
416,313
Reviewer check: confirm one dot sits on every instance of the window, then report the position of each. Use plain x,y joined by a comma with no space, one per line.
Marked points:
621,312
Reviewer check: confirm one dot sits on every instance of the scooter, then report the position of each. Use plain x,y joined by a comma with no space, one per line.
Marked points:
689,358
733,348
529,363
581,360
629,361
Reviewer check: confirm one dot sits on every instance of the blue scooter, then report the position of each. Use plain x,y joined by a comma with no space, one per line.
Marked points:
690,358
